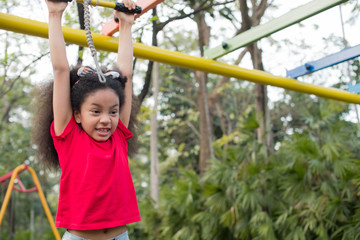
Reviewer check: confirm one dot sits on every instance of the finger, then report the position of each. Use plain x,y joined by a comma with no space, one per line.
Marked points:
129,4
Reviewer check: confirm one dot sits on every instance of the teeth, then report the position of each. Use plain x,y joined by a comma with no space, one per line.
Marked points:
103,130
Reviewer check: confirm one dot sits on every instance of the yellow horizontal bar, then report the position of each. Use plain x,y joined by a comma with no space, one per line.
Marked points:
40,29
100,3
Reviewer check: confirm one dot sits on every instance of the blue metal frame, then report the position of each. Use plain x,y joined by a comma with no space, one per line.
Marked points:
328,61
354,88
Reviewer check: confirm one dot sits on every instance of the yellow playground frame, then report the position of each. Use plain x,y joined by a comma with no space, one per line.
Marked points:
14,174
107,43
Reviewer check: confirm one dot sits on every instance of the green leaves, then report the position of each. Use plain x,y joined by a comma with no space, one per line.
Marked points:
308,189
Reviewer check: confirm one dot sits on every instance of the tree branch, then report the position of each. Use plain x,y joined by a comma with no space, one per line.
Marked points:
197,10
193,128
246,20
181,97
12,83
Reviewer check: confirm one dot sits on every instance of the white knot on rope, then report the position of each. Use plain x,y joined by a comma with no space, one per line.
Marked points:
90,41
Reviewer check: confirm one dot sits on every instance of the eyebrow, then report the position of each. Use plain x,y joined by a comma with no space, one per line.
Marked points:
98,105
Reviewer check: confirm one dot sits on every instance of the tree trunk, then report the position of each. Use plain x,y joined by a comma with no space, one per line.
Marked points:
154,164
264,132
154,170
206,149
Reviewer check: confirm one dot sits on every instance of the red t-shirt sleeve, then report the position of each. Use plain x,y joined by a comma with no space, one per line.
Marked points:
66,131
124,130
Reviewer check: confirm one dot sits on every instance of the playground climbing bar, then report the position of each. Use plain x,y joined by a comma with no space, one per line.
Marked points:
100,3
106,43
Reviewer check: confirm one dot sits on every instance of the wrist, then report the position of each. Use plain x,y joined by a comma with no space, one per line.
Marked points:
55,14
125,24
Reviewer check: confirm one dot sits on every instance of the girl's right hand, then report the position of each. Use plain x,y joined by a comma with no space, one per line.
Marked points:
56,7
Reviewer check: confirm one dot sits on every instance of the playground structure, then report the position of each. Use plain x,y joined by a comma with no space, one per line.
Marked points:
105,42
112,26
15,175
328,61
260,31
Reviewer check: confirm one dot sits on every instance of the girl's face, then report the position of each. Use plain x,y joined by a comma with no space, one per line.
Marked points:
99,114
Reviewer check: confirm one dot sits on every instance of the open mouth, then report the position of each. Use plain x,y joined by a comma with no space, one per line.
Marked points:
103,131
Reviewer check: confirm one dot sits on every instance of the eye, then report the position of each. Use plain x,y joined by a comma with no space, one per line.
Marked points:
114,112
95,111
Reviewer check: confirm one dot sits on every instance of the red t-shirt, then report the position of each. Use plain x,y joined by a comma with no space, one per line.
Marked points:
96,187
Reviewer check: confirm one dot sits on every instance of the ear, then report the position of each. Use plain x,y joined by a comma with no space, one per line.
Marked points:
77,116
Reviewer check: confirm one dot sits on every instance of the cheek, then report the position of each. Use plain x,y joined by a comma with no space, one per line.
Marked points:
115,121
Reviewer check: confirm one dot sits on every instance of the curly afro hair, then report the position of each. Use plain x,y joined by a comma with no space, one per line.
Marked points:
81,87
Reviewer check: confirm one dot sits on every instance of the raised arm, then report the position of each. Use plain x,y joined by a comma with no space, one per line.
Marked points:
61,95
125,57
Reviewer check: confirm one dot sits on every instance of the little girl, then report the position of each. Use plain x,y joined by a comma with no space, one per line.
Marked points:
88,137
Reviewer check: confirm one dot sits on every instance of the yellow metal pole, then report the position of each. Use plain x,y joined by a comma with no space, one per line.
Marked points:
100,3
74,36
44,203
9,190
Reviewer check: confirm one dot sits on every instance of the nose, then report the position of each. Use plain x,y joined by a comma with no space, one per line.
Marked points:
105,118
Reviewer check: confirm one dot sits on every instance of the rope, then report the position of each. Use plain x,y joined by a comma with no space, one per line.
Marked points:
90,41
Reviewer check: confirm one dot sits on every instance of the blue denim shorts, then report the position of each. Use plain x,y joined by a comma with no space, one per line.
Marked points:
69,236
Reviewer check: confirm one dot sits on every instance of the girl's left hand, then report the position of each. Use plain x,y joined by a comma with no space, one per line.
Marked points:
126,17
